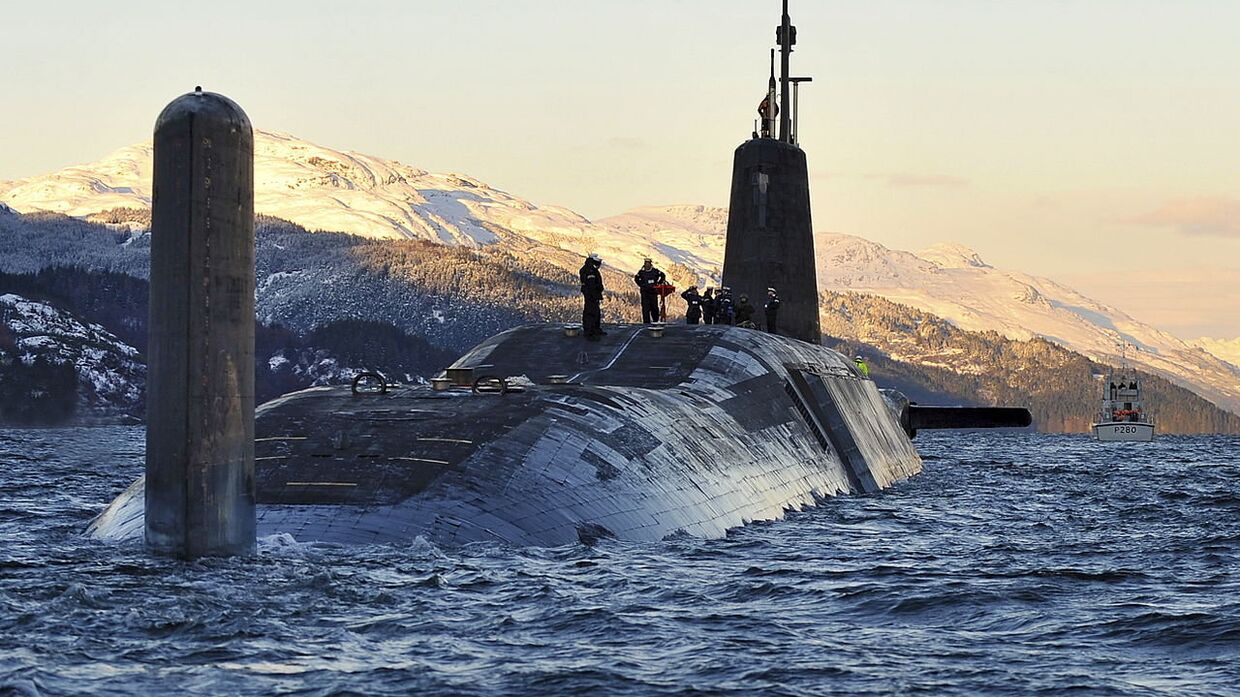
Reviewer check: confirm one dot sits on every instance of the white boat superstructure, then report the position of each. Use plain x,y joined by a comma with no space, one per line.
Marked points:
1122,416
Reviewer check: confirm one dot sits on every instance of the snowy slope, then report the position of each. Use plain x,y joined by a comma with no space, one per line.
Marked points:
110,373
690,235
1226,349
324,189
953,282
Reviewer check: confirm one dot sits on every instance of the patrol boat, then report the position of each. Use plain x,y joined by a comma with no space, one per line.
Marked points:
1122,416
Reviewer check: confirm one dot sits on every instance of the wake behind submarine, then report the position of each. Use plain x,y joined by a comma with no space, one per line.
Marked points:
534,437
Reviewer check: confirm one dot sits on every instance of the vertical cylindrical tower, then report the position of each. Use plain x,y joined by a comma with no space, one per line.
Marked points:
200,386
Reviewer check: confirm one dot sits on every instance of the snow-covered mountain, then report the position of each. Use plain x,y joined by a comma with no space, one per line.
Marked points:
690,235
37,338
1226,349
953,282
325,189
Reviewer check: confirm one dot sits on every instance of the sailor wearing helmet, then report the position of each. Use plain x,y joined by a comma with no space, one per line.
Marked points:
861,366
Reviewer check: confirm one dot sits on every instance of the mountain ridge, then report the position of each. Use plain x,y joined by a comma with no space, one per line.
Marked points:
913,350
329,303
1226,349
330,190
324,189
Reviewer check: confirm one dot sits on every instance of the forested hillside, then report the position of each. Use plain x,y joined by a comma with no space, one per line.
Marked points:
331,304
58,363
56,366
927,358
453,297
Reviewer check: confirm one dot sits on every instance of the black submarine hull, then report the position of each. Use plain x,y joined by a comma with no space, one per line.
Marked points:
690,430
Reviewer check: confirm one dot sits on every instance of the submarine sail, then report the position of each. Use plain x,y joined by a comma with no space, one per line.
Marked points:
770,241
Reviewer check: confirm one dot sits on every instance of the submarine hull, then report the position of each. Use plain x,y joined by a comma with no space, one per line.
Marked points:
696,432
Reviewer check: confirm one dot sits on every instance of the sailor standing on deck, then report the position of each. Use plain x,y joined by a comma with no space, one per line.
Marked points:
708,306
772,311
693,311
592,291
744,313
725,309
646,279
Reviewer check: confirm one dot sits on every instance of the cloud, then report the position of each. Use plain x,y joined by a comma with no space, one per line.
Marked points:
1203,216
1186,301
627,142
899,180
904,180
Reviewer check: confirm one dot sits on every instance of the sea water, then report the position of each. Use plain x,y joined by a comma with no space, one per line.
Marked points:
1016,564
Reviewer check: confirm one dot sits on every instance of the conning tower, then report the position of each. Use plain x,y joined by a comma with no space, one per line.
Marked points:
770,234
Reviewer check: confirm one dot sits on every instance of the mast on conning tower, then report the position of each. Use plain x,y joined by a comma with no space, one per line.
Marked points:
786,38
768,108
780,105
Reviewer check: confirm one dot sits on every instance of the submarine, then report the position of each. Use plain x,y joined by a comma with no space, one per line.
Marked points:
535,437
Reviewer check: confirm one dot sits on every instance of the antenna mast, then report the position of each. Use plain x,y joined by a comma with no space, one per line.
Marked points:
786,37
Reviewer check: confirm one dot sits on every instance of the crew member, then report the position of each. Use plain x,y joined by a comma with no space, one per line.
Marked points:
592,292
764,110
693,302
708,306
725,310
861,366
772,310
744,313
646,279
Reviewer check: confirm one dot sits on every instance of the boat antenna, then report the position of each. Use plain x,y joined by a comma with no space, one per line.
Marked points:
1123,347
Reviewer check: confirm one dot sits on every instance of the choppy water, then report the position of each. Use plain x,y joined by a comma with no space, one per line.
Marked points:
1015,564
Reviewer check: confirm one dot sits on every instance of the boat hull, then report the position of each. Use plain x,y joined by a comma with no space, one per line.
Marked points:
1124,431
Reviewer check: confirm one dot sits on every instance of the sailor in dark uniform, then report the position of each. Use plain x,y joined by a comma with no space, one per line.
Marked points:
708,306
744,313
693,302
646,279
764,110
772,311
592,291
725,308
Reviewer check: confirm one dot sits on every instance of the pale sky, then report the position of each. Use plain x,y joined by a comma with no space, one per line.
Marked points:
1088,140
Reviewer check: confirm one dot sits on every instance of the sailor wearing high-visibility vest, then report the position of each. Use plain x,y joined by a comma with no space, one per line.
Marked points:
862,367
